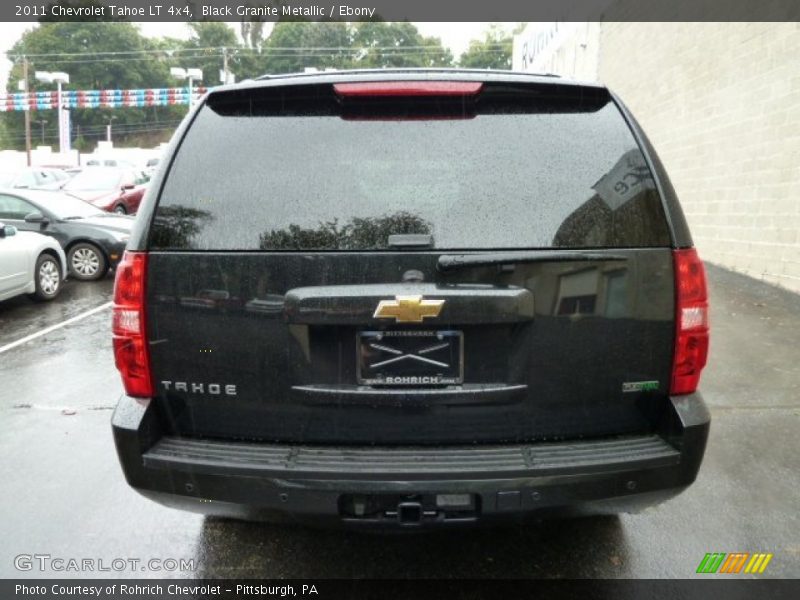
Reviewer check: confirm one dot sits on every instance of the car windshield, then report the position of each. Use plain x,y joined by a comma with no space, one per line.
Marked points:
563,172
94,180
67,207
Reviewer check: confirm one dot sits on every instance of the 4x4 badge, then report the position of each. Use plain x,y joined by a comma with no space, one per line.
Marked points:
408,309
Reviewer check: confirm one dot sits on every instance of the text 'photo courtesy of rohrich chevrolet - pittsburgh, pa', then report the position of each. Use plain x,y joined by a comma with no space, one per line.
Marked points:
314,296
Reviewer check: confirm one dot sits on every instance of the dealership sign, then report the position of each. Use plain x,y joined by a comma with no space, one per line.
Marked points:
534,47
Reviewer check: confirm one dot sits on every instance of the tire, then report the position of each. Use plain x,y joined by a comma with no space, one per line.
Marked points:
86,262
119,209
47,277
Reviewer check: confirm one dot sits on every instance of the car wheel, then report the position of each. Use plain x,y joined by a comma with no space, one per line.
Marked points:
120,209
86,262
47,278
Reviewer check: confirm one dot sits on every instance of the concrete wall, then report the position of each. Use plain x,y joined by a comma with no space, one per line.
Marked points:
721,104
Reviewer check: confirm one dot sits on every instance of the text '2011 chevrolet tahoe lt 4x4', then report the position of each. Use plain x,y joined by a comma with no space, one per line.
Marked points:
410,299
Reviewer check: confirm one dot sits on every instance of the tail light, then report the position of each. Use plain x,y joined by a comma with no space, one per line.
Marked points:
128,325
691,321
408,88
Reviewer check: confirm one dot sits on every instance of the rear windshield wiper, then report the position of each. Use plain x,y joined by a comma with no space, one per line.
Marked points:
410,240
451,262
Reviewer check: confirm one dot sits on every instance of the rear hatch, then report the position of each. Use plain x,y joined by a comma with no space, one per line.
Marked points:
428,263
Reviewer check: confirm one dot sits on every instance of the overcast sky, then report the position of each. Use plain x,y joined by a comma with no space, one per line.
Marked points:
455,36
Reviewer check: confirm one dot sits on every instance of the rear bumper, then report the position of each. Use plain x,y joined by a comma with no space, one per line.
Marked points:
411,487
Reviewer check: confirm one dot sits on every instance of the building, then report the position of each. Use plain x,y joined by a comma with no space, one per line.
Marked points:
721,104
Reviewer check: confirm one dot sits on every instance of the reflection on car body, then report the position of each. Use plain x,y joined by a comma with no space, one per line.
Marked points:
269,303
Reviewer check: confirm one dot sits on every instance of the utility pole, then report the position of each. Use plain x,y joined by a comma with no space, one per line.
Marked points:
42,122
28,111
225,65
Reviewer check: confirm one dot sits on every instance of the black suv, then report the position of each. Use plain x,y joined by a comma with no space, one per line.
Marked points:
407,299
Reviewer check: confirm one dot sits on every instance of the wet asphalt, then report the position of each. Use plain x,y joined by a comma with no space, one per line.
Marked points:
63,493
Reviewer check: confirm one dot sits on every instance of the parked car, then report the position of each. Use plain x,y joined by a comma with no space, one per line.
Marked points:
112,189
30,263
34,178
151,166
485,304
92,239
109,162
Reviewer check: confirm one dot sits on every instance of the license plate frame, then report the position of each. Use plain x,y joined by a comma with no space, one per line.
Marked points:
387,358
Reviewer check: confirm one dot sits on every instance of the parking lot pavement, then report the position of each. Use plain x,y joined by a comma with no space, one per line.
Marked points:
64,494
20,316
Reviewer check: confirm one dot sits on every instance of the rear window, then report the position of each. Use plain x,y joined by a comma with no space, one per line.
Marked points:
300,169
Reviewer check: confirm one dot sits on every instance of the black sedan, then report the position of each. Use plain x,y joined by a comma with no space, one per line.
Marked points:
92,239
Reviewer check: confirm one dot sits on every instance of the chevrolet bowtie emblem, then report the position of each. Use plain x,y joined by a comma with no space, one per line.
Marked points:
408,309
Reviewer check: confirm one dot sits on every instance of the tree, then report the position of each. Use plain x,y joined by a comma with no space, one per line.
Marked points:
295,45
252,32
204,49
102,55
380,44
491,52
128,61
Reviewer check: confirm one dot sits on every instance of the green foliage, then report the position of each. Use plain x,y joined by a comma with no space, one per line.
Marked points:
50,46
295,45
81,145
5,138
252,33
491,52
204,49
379,44
115,55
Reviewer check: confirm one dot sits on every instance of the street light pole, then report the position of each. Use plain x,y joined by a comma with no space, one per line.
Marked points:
28,111
61,144
108,128
190,75
59,79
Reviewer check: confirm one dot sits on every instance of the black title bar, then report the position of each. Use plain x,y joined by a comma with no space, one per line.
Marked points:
325,589
397,10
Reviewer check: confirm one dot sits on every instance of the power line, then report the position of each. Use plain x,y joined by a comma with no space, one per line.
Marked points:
98,131
263,49
354,54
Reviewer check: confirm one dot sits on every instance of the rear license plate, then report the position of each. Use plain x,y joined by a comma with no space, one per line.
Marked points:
410,357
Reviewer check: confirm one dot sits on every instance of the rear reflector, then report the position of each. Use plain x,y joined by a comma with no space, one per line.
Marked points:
128,325
691,322
408,88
